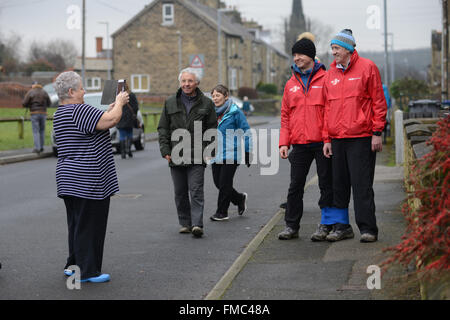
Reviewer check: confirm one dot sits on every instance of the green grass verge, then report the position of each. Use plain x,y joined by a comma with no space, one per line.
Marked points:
9,131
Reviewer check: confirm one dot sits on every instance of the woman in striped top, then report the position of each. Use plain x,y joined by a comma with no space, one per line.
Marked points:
85,173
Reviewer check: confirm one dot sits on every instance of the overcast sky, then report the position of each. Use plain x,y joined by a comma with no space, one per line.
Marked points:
410,21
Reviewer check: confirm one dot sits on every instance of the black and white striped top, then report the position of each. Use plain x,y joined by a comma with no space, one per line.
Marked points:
85,166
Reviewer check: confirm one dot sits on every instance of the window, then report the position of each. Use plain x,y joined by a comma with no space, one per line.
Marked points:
140,83
233,79
168,15
94,83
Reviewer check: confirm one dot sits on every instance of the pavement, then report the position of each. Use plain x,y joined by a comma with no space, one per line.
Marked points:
300,269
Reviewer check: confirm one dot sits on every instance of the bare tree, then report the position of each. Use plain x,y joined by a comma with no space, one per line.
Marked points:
10,52
61,54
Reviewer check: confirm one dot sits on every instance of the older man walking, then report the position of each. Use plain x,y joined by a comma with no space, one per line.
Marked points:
186,110
37,100
355,115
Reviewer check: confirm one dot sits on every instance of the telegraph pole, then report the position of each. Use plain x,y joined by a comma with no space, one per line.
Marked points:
386,60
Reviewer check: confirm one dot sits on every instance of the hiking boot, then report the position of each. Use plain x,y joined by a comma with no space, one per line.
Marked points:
197,232
288,233
321,233
185,229
367,237
340,232
219,217
242,207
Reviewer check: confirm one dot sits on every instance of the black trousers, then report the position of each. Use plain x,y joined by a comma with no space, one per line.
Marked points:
86,221
301,158
223,175
353,171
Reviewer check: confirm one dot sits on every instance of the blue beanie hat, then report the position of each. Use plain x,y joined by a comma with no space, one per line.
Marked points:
345,39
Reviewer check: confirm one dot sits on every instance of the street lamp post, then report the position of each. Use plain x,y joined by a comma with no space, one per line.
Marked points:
108,57
179,51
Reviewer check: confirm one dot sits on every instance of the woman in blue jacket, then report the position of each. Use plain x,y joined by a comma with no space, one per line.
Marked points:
232,127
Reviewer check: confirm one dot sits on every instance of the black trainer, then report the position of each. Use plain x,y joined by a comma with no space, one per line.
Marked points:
219,217
283,205
340,232
242,207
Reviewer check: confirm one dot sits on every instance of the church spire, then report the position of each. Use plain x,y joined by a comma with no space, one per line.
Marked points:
295,26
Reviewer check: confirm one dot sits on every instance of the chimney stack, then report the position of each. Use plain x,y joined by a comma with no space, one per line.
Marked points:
99,41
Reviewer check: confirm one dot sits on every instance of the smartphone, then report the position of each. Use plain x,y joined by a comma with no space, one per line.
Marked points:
121,85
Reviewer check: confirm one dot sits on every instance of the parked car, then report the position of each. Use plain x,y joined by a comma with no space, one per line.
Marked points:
94,99
50,89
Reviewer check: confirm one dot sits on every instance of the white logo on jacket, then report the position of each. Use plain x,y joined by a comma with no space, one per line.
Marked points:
294,89
354,79
335,81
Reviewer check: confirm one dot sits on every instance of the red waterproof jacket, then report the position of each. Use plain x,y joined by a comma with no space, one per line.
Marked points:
302,111
355,104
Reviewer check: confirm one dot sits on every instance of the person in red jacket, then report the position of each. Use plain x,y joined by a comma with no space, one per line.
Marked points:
355,115
302,113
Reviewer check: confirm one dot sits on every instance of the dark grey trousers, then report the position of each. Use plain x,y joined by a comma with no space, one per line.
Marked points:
188,184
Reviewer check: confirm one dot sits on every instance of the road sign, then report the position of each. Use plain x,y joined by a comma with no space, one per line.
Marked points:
196,61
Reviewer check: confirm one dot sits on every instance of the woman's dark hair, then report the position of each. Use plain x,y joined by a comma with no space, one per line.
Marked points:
221,89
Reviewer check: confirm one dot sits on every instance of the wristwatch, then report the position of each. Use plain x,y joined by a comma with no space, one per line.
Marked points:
377,133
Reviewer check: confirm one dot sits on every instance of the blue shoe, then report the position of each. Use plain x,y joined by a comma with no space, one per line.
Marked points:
101,278
68,272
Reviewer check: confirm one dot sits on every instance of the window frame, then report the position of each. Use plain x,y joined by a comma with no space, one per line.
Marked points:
139,89
94,80
168,20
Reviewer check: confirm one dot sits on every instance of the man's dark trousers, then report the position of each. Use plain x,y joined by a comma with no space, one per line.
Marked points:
301,158
189,181
353,170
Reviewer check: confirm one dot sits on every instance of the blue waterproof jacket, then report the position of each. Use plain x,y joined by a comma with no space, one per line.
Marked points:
232,129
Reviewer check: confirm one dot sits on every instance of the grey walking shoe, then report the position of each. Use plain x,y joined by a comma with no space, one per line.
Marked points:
367,237
340,233
288,233
197,232
322,232
185,229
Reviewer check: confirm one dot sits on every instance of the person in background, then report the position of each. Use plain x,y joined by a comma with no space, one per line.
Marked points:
246,107
387,127
127,123
230,119
37,100
355,116
85,173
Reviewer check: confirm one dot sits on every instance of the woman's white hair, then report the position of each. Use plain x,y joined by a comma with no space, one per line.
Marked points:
193,71
64,82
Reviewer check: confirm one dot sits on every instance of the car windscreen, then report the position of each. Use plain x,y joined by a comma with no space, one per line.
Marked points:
95,102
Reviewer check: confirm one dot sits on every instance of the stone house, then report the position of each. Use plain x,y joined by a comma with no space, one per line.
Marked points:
169,35
96,68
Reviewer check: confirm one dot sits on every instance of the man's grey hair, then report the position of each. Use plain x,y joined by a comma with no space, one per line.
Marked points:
193,71
64,82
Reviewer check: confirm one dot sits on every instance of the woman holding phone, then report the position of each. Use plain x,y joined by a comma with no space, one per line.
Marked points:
85,173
